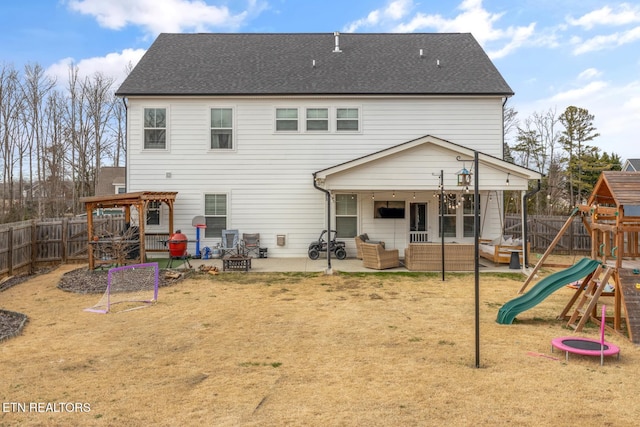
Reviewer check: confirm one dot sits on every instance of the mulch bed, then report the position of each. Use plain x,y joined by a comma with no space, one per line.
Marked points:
85,281
81,280
11,324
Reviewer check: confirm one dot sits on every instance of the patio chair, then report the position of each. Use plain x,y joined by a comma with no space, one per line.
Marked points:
251,243
230,242
375,256
363,238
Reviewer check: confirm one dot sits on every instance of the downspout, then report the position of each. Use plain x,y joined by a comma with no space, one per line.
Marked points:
126,134
506,98
328,195
525,233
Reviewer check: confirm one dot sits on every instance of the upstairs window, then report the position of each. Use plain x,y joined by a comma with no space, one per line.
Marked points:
317,119
286,119
155,128
221,128
347,120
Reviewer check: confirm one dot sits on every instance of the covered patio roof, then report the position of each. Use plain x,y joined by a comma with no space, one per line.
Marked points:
417,164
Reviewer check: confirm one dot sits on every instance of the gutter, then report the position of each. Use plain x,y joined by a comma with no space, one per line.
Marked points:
328,196
525,233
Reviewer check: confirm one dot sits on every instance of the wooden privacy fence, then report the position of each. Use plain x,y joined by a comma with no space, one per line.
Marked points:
26,245
542,229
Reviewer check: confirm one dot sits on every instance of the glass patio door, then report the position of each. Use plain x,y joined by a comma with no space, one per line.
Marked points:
418,223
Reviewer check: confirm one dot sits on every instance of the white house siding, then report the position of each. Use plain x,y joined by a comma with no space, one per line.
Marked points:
268,175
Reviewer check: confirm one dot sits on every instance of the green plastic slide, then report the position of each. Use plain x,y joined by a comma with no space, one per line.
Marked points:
544,288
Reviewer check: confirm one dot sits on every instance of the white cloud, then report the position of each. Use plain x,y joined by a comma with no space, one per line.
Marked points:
472,18
605,42
624,14
163,16
394,11
113,65
518,37
578,95
589,74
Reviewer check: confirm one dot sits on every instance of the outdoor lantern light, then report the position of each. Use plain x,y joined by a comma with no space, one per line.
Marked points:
464,177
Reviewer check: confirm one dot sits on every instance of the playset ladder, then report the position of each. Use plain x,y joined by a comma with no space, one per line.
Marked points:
590,297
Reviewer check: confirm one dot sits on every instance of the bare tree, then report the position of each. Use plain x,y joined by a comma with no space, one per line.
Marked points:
79,132
99,108
56,172
117,127
10,105
35,88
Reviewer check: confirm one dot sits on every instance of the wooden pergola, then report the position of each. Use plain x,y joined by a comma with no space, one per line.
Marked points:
139,201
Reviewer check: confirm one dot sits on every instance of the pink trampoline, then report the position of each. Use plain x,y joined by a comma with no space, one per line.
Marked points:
587,346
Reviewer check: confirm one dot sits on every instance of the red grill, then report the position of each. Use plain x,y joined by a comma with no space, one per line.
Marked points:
178,245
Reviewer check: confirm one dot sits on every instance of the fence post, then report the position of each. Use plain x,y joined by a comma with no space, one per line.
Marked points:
10,251
65,241
34,246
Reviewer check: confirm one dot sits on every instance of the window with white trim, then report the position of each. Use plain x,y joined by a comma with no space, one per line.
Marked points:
286,119
448,216
155,128
222,128
153,212
468,216
346,215
347,120
215,213
317,119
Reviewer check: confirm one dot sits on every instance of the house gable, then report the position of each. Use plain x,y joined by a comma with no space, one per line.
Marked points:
416,165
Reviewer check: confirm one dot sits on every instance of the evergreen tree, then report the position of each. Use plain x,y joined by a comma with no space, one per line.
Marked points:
578,131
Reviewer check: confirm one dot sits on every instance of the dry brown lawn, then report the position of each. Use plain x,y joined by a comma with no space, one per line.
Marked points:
303,349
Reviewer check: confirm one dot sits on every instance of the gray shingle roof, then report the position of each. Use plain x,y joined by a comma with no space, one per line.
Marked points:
280,64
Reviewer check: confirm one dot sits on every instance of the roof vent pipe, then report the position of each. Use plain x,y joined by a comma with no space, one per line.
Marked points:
337,37
421,53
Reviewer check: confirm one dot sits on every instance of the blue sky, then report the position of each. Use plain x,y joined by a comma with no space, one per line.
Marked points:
552,53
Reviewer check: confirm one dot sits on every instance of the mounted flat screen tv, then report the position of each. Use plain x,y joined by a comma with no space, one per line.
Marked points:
388,209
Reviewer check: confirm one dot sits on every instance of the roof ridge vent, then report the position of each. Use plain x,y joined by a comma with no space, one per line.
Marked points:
337,47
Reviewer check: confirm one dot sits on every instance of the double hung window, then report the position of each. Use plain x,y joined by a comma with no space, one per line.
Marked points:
155,128
347,120
448,216
153,212
222,128
317,119
215,213
468,217
286,119
346,215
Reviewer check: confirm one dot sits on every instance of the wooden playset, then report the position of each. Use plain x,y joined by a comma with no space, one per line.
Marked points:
612,217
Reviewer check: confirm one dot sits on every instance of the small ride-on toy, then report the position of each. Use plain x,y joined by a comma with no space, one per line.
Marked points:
321,245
